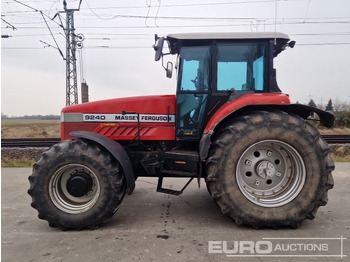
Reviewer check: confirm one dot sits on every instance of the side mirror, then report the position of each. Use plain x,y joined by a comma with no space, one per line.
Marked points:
291,44
169,69
158,47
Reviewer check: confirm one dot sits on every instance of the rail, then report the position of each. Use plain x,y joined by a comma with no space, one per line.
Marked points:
29,142
47,142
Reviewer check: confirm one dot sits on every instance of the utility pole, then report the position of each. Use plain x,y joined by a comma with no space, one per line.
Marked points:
71,61
72,42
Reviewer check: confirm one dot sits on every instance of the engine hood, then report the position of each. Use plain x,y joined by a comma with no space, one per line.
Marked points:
142,117
159,104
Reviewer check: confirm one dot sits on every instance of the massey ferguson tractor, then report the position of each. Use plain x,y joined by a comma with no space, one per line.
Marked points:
229,123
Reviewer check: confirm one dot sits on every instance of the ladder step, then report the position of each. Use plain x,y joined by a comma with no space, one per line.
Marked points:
171,191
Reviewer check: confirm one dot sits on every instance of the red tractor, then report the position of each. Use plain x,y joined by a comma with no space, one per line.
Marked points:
228,123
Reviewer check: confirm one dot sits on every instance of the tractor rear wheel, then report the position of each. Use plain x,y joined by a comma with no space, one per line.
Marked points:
76,185
269,169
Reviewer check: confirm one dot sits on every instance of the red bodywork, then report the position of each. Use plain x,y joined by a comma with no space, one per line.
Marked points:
246,100
156,114
150,129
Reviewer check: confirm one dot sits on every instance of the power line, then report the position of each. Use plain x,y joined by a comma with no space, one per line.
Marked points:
284,20
149,47
36,10
194,4
299,19
323,44
194,26
131,35
9,25
53,37
178,5
320,34
43,15
38,1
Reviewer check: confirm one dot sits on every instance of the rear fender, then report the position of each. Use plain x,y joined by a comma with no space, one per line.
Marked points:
326,119
117,152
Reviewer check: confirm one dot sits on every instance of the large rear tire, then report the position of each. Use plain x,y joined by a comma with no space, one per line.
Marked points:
76,184
269,169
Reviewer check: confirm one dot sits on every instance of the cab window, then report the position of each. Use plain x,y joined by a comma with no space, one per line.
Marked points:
194,75
241,67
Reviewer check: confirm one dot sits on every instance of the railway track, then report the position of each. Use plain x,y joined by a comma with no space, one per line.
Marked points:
29,142
47,142
337,139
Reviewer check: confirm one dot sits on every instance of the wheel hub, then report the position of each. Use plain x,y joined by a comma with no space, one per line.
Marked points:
270,173
266,169
74,188
79,185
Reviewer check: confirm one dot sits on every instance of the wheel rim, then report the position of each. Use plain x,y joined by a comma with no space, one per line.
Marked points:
62,194
270,173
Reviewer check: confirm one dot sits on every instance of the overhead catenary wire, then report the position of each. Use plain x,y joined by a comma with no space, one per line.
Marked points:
53,37
182,5
43,15
35,10
106,47
308,35
222,21
9,25
147,35
193,26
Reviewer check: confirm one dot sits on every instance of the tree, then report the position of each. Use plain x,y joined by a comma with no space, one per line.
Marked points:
312,103
329,106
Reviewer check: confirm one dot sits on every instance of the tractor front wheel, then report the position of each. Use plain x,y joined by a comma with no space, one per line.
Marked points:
76,185
269,169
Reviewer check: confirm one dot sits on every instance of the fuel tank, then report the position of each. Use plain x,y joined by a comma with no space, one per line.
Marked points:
132,118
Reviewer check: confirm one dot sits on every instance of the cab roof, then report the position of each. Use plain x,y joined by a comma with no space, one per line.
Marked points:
176,41
229,35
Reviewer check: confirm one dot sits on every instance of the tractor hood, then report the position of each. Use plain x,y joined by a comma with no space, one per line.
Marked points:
147,117
161,104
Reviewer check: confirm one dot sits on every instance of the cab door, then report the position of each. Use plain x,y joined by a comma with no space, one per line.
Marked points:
193,91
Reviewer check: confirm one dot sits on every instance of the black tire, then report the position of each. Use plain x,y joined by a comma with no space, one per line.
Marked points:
76,185
269,169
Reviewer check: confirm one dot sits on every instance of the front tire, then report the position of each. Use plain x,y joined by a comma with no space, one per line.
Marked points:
76,185
269,169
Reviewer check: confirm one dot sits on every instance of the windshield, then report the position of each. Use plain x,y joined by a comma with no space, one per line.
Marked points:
241,67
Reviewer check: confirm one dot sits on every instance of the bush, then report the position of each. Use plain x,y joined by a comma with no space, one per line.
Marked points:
342,119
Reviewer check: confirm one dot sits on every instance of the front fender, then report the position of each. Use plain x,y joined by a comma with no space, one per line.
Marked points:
117,152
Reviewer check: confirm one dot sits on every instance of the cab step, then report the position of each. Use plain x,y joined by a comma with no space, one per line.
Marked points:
178,163
171,191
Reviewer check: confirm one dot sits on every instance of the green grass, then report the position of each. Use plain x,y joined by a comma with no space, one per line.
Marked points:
17,163
35,128
341,159
28,122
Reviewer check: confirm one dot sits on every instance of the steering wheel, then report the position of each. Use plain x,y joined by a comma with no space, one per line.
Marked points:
196,82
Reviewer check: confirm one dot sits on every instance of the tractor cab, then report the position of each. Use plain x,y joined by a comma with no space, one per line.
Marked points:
216,68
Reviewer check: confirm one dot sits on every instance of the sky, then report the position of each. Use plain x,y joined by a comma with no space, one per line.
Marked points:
117,58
